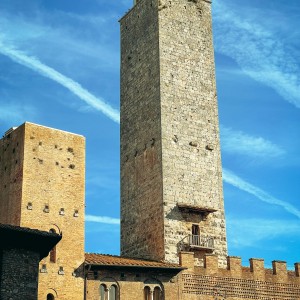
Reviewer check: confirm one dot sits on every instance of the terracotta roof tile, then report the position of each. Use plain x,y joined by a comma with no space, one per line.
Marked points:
111,260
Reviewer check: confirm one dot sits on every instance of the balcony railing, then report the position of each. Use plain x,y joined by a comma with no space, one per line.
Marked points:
198,242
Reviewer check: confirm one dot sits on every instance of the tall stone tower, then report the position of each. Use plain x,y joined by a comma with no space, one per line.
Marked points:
42,173
171,177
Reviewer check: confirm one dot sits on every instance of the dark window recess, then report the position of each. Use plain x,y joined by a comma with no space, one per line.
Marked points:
43,269
29,205
52,253
62,211
61,271
195,229
46,209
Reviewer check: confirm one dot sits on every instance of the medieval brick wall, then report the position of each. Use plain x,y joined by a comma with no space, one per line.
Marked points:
237,282
209,282
131,283
170,150
19,274
11,174
47,186
142,229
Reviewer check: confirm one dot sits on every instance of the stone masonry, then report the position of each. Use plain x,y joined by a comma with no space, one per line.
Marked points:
170,149
19,274
42,174
21,250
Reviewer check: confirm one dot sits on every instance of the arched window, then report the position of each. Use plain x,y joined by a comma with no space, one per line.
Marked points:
53,251
113,292
50,297
147,293
103,292
109,293
157,294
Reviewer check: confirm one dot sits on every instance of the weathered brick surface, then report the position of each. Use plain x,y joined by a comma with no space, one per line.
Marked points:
18,274
131,283
49,175
142,224
11,174
237,282
206,283
189,119
170,150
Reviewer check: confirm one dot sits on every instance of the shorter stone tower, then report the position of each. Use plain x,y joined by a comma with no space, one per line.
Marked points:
42,173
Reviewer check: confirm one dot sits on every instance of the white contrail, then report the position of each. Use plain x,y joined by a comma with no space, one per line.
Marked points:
34,64
241,184
101,219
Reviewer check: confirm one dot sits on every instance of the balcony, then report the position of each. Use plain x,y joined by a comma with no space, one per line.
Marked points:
198,242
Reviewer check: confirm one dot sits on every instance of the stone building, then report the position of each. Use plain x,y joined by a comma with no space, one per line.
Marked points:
21,250
173,236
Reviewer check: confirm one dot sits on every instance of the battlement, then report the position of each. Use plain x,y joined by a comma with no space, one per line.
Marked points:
256,270
238,282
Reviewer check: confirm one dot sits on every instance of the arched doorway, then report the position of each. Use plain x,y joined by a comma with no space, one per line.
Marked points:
50,297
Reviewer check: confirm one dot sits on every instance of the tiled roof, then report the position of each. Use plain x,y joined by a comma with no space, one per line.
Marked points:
118,261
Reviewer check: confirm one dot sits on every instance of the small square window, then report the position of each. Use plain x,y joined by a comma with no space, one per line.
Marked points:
76,213
46,208
29,206
62,211
137,277
123,276
61,271
43,269
95,274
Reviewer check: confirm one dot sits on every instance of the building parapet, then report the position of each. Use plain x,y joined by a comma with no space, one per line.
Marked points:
236,281
256,270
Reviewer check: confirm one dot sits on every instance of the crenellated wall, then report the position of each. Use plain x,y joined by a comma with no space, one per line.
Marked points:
237,281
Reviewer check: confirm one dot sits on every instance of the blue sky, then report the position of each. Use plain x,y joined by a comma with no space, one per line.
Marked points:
59,63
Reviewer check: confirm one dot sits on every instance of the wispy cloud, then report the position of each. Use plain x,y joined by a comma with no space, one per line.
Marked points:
102,219
43,33
14,113
258,51
68,83
34,64
238,142
249,232
230,178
